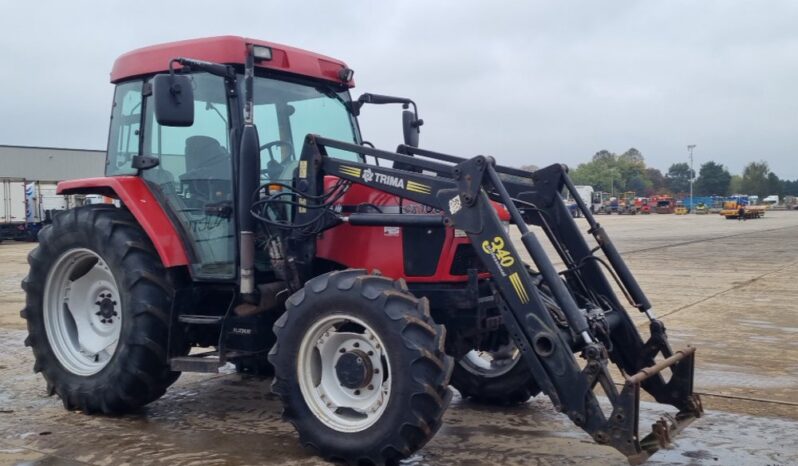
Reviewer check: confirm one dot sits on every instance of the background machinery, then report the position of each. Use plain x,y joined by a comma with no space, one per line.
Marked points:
627,205
248,223
737,205
664,205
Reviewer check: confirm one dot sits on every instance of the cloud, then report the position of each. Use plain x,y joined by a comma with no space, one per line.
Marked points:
527,82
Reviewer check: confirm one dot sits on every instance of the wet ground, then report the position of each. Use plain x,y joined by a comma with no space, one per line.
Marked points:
727,287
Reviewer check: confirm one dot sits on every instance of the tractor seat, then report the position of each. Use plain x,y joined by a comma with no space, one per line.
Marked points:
206,159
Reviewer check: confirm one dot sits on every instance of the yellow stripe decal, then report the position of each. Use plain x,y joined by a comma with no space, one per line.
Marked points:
418,187
351,171
519,287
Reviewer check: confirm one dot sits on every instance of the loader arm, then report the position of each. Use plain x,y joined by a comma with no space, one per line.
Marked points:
599,329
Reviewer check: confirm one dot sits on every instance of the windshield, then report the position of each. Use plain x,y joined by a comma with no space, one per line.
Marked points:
285,112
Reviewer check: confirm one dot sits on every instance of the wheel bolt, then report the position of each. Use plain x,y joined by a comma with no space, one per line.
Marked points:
357,392
370,387
356,345
376,371
371,353
342,350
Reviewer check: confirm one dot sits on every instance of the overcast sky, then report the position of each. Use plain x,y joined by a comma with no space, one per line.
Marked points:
526,82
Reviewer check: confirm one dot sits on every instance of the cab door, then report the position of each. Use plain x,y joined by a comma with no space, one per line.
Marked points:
194,177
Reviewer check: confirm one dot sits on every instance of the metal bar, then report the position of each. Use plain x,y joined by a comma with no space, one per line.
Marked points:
533,246
365,219
627,278
405,149
364,150
650,371
417,187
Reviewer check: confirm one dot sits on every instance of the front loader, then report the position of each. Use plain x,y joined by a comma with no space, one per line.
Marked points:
366,288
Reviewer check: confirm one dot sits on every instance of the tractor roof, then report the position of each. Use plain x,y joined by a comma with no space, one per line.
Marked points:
229,50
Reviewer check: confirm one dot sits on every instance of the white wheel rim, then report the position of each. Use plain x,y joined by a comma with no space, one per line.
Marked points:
342,408
82,311
491,363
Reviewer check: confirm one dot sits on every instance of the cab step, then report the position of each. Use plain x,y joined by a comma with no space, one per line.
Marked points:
206,362
199,319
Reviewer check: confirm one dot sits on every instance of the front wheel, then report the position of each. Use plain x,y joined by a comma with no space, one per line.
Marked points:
360,368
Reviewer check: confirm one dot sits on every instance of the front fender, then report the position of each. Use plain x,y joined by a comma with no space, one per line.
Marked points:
133,192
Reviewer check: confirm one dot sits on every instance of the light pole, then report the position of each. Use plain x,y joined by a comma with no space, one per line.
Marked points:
692,177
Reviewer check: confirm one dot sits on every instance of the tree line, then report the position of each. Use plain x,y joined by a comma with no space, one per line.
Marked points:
616,173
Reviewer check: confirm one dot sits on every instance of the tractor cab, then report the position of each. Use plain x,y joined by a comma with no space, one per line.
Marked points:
193,176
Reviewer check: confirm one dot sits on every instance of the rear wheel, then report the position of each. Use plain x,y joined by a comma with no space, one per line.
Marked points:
97,309
360,368
497,377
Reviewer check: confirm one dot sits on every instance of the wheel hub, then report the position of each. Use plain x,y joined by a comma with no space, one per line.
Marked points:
344,373
107,310
354,369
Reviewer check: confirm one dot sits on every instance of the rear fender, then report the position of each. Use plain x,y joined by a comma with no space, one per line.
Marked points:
133,192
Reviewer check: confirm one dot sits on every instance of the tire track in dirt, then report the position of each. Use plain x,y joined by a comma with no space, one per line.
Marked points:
736,287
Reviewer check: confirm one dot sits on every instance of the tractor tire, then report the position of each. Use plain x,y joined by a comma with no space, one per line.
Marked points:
97,308
360,368
507,384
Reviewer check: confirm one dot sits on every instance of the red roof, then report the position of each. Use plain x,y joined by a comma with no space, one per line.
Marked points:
225,49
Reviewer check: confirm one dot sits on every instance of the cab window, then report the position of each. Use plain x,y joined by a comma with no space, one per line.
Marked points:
123,137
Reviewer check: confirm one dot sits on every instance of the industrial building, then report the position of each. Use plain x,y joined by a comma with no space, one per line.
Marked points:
50,163
28,178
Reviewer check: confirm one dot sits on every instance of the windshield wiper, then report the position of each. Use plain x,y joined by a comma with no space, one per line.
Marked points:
330,92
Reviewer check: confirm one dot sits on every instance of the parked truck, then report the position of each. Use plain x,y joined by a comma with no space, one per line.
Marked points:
585,193
28,205
600,202
12,208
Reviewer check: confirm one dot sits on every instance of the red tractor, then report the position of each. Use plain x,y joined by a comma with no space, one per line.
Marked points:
248,223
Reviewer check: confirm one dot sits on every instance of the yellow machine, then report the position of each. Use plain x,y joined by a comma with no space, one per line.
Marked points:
731,210
701,209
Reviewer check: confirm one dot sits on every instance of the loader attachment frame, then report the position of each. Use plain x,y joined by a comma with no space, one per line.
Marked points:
598,327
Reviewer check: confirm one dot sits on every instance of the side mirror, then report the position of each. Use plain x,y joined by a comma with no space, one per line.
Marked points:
174,100
411,127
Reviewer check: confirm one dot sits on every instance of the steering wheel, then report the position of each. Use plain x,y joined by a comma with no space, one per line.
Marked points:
279,142
273,167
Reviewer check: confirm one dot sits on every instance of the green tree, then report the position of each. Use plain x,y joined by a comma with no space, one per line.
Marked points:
657,180
632,156
736,184
774,185
604,156
789,188
678,178
713,179
614,173
755,178
600,172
